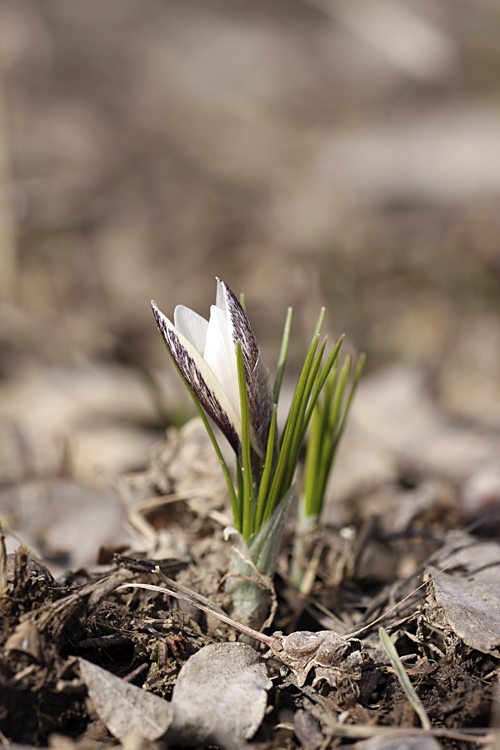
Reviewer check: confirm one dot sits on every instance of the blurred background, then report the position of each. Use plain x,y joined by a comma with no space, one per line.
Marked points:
308,152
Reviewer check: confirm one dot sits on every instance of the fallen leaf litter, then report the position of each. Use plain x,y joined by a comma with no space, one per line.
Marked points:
343,685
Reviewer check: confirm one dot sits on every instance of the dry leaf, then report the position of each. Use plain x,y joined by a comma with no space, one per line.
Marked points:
466,598
398,743
220,696
307,730
125,709
25,638
337,660
470,606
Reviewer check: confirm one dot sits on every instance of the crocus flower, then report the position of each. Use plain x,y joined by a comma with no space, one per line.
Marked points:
204,352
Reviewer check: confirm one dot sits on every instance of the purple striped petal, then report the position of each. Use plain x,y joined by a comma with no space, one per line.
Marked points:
201,379
260,397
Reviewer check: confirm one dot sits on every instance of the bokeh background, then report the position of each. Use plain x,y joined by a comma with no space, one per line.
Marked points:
309,152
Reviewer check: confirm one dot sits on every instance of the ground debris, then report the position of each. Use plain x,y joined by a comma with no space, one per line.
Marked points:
46,626
464,600
333,684
220,696
336,660
124,708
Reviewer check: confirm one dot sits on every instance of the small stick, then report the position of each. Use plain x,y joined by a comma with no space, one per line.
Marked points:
201,602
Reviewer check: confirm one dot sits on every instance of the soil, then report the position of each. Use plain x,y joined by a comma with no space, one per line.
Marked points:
145,637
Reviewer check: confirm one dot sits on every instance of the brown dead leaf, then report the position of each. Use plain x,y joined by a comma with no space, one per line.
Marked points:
471,608
466,598
306,728
26,639
220,696
335,659
125,709
398,743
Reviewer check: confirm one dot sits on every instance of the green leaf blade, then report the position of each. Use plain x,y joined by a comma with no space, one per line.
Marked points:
247,502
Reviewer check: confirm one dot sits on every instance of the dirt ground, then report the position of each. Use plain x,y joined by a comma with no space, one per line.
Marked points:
308,153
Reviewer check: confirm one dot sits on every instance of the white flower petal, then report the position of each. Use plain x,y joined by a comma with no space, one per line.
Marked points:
222,296
205,353
201,379
220,355
192,326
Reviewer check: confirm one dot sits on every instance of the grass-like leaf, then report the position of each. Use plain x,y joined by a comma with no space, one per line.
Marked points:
247,500
299,431
357,377
280,369
319,323
320,382
328,423
267,471
403,678
290,445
